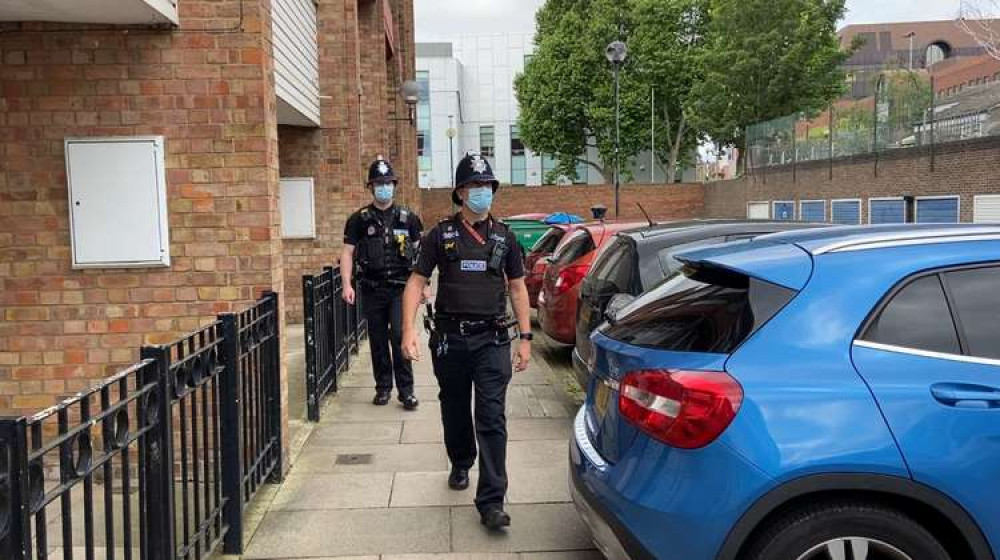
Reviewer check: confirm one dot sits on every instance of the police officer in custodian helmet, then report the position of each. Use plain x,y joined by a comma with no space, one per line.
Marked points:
383,239
478,265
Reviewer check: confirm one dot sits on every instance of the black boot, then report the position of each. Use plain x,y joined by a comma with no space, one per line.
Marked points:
495,518
381,398
410,402
458,479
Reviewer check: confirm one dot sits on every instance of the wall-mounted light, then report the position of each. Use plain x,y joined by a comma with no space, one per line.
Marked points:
411,95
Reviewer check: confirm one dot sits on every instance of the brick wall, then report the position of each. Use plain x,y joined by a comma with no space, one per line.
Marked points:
661,201
354,129
208,89
961,168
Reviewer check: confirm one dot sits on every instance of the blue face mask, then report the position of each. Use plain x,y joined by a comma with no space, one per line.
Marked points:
384,192
480,199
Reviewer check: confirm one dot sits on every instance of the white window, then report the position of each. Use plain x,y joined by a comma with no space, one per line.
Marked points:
298,208
986,209
118,202
758,210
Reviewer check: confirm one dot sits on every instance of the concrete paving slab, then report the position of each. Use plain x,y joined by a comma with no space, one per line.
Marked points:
571,555
363,395
338,413
536,454
361,376
538,485
518,429
332,533
453,556
359,433
419,457
535,528
412,489
333,491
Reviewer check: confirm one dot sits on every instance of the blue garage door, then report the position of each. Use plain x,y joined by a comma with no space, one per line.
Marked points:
846,212
937,210
813,211
888,212
784,210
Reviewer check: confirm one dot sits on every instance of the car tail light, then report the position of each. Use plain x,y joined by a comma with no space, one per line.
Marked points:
685,409
569,277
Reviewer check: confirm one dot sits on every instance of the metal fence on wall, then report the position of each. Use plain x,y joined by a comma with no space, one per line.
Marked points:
906,111
158,461
333,331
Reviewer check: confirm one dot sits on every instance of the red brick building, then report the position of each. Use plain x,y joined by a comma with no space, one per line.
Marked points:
235,95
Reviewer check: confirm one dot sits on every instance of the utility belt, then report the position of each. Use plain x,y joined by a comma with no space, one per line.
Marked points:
466,326
388,282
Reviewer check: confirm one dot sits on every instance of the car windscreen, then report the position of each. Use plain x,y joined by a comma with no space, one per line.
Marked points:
579,245
548,242
699,309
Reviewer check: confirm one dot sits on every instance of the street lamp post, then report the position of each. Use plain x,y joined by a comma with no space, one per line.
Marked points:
910,36
616,53
451,148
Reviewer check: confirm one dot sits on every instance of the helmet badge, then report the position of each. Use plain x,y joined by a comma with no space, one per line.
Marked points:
383,168
478,164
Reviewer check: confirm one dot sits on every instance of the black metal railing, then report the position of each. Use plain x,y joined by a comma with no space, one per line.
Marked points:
158,461
333,331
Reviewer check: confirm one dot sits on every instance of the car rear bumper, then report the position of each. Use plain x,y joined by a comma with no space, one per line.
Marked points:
611,537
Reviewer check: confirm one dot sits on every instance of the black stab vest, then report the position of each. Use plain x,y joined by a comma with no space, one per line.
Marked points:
385,250
472,281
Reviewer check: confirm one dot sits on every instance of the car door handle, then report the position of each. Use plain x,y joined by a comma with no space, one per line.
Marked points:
966,396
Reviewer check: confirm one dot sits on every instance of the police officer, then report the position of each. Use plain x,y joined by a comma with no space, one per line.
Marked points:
478,264
383,239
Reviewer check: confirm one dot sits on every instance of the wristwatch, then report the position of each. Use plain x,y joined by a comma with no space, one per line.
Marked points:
526,336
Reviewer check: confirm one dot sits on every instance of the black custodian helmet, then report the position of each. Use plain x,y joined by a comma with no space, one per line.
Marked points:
380,170
473,168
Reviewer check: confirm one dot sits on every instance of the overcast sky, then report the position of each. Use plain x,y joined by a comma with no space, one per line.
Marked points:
442,20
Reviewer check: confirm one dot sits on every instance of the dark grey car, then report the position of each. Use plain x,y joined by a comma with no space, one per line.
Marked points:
639,259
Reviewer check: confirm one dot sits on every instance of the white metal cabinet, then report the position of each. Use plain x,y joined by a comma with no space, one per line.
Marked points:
298,208
118,202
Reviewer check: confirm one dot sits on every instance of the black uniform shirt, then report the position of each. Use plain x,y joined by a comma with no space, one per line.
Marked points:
354,230
432,251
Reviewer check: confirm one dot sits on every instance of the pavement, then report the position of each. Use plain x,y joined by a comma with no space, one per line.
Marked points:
369,483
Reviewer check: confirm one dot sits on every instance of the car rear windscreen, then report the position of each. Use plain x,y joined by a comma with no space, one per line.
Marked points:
549,241
699,309
579,245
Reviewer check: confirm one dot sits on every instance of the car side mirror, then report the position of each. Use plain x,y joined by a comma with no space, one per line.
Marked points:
617,303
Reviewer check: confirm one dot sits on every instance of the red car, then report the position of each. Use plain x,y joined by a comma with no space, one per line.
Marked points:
538,258
567,268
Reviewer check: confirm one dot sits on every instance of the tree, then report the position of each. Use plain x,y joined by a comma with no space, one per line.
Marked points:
566,93
766,59
668,44
977,19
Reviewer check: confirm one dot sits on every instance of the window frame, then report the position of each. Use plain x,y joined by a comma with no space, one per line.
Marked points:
858,201
493,135
886,199
955,197
821,201
887,298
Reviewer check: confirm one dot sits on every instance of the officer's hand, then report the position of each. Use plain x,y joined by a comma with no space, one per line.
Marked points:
428,294
523,355
411,346
348,294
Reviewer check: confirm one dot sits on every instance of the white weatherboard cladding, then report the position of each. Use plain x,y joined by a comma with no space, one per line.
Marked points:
986,209
298,208
296,59
118,202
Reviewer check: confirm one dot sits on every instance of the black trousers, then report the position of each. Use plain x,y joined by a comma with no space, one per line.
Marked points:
461,363
383,307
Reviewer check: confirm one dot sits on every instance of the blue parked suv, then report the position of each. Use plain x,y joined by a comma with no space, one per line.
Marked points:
817,395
